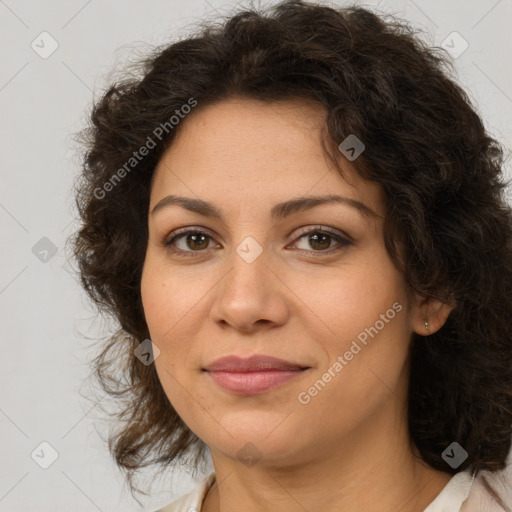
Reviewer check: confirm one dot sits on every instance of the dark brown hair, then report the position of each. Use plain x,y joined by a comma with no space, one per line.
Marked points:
448,226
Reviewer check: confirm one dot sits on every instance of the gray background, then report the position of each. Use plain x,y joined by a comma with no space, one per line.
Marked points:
45,319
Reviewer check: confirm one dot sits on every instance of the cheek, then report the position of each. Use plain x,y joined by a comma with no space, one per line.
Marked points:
162,313
172,308
364,332
359,378
168,300
157,301
348,300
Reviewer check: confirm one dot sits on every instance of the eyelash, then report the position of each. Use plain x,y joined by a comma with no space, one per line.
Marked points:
315,230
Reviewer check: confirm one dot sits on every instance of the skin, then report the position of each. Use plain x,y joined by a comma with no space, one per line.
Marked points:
348,448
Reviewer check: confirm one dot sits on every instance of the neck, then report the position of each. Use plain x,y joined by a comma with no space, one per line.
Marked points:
379,475
408,489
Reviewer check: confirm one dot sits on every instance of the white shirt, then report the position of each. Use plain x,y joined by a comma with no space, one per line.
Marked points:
450,499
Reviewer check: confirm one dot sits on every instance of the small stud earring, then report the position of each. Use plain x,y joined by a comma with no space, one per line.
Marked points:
426,324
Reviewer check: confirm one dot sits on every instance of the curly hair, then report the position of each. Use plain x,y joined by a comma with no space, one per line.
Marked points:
448,226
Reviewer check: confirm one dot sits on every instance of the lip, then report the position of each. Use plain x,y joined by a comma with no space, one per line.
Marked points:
252,375
252,364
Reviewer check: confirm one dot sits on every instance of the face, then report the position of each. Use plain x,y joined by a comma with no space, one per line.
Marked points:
311,285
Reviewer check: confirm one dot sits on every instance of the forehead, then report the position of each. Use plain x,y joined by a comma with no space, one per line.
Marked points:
263,152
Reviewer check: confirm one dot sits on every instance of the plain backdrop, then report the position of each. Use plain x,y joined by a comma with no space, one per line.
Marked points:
45,318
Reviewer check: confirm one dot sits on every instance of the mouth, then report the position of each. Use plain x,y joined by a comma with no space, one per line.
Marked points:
253,375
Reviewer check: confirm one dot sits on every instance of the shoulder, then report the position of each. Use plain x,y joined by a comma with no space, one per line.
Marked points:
491,491
192,501
453,494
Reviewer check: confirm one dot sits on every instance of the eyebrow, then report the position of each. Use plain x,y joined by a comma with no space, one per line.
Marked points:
278,211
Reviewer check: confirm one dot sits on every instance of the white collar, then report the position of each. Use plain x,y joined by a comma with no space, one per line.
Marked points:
193,500
453,494
449,499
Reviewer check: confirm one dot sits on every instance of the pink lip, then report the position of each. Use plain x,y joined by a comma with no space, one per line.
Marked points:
251,364
252,375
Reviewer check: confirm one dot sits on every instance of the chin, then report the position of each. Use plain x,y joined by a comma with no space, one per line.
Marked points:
254,435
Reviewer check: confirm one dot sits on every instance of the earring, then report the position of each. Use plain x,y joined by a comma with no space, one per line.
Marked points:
426,324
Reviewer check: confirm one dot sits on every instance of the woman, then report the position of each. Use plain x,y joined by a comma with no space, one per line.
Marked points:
299,222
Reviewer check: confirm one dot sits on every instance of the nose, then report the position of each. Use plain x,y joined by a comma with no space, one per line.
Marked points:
251,295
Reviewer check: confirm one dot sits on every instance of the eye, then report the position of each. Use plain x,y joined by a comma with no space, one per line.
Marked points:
187,241
320,239
191,240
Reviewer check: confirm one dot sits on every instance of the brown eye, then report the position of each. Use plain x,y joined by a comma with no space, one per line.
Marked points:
196,241
188,241
320,241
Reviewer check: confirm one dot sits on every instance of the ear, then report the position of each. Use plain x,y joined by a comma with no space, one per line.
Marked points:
433,311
